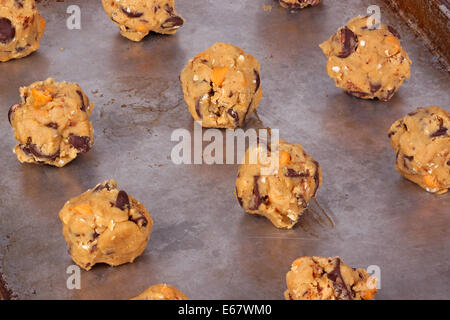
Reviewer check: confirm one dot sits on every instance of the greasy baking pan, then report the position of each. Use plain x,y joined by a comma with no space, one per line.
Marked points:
202,241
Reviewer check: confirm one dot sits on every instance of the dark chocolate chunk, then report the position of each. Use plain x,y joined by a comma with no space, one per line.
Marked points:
442,131
393,31
53,125
340,287
374,87
7,31
291,173
388,95
316,177
409,158
257,78
12,110
141,218
34,150
131,14
122,200
256,200
80,143
358,94
234,115
102,186
348,41
83,105
172,23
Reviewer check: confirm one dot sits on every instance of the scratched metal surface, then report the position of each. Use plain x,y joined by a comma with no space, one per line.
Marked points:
202,241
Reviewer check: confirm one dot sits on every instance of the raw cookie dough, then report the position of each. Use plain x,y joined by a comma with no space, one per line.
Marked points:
51,123
21,28
422,144
298,4
281,196
366,63
161,292
318,278
136,18
105,225
222,86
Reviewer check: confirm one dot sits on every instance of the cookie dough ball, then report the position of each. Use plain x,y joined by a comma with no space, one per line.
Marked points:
136,18
161,292
366,63
105,225
283,195
298,4
318,278
222,86
51,123
21,28
422,144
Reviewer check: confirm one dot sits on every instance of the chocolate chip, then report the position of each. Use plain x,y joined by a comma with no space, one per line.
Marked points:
256,196
80,143
258,79
172,23
358,94
122,200
391,133
141,218
388,95
93,248
413,113
348,41
7,31
316,177
442,131
340,287
168,9
291,173
374,87
52,125
102,186
393,31
409,158
19,3
34,150
83,105
95,235
11,111
234,115
130,13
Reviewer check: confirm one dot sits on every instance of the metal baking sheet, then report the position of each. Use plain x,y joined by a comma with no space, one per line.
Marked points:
202,241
